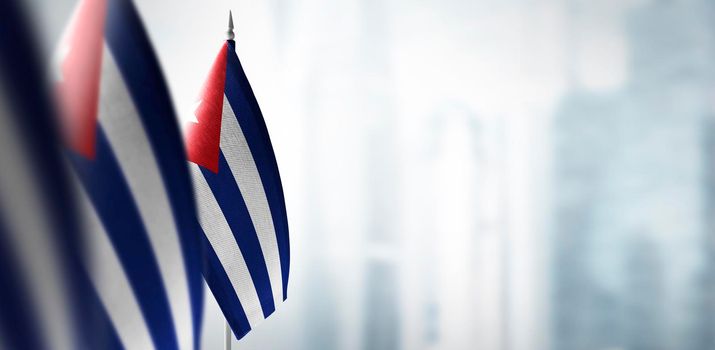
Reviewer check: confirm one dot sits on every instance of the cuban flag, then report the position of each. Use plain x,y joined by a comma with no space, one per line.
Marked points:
41,299
239,195
133,185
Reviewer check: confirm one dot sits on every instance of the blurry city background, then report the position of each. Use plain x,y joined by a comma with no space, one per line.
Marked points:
482,174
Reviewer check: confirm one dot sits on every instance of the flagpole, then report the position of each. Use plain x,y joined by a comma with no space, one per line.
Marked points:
230,34
227,330
227,337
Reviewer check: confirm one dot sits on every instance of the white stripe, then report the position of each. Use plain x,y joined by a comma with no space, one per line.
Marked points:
244,170
124,129
111,281
224,244
31,235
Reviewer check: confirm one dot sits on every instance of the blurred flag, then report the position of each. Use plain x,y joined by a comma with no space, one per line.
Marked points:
239,195
133,185
40,248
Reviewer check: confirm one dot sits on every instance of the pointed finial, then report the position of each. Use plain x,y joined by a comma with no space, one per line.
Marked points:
230,33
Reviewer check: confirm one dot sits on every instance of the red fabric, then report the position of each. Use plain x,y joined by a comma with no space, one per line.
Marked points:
202,138
80,69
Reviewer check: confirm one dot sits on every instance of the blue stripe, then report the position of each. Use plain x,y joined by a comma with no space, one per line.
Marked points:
225,295
244,104
102,334
140,69
17,315
115,207
229,198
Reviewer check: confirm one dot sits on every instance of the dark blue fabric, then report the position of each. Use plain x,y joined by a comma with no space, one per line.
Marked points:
140,69
228,195
245,106
111,197
221,287
98,330
18,316
32,114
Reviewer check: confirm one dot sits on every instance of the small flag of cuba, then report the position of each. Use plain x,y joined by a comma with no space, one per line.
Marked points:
239,196
128,164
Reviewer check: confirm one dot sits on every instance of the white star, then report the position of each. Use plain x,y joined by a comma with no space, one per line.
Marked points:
194,117
58,60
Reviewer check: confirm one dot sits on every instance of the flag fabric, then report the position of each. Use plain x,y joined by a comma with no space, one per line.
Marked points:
133,185
40,249
239,197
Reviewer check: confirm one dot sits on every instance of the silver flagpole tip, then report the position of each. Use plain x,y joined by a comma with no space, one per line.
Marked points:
230,33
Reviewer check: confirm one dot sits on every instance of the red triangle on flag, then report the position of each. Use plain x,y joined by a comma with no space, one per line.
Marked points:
203,137
80,70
